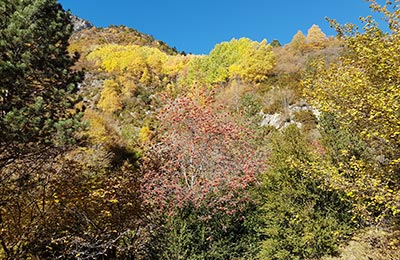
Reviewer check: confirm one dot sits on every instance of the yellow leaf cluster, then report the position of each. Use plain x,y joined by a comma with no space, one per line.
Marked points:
97,127
110,100
140,62
250,60
315,37
363,92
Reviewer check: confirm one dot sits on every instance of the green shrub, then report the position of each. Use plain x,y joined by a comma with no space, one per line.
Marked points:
300,219
201,233
306,118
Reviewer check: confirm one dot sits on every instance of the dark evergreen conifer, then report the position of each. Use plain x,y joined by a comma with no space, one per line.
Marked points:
38,119
37,84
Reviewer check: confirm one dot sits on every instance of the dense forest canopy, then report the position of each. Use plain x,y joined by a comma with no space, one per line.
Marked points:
114,145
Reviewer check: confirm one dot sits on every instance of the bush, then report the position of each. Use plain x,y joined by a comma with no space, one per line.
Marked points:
300,219
306,118
201,233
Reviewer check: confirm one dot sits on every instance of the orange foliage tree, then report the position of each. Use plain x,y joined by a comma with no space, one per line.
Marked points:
202,159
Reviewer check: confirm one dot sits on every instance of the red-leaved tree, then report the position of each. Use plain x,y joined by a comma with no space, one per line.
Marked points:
203,158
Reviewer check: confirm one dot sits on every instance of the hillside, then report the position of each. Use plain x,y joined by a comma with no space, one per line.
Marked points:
87,39
116,146
264,95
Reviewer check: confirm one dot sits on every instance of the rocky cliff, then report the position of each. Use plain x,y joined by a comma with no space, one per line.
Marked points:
80,24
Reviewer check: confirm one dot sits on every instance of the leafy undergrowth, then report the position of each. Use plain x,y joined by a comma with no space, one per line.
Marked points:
371,244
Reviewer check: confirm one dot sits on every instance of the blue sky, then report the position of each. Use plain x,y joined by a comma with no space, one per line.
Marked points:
197,25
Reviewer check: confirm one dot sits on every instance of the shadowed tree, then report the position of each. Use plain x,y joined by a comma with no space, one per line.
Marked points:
36,80
37,115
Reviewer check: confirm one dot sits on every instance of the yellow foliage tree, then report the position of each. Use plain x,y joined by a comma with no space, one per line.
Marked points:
139,62
110,100
298,43
363,92
315,37
251,61
175,66
128,85
144,135
256,63
97,131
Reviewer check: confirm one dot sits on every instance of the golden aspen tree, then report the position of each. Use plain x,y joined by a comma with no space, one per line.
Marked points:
128,86
315,37
362,91
298,43
110,100
174,65
257,62
251,61
133,60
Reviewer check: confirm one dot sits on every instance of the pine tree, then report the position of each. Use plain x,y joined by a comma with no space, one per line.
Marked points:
37,117
37,84
276,43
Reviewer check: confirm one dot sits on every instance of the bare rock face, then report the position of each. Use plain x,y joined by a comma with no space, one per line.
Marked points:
80,24
274,120
283,120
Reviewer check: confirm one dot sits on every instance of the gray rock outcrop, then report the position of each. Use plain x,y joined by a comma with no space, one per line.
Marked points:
282,120
80,24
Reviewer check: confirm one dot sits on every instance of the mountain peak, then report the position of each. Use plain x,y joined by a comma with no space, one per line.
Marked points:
80,23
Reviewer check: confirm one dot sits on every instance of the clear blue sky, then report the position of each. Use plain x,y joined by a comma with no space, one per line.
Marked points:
197,25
